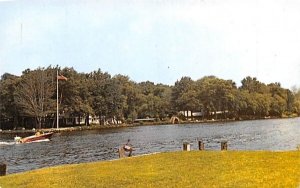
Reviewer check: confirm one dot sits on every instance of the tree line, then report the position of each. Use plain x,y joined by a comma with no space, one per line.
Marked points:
31,98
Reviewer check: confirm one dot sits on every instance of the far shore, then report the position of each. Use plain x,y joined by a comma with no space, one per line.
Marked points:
97,126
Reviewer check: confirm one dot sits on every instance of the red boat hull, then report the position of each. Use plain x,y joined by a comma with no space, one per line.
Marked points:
35,138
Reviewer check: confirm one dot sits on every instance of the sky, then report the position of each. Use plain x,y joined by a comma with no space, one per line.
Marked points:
156,40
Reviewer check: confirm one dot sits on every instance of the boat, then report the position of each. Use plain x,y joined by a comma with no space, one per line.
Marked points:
38,137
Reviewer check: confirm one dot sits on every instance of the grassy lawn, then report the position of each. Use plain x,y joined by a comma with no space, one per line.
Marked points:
175,169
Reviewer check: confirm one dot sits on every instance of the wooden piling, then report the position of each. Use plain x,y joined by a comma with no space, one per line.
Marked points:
121,152
2,169
186,146
224,145
201,145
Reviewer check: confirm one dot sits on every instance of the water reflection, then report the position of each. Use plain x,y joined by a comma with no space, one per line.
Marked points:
86,146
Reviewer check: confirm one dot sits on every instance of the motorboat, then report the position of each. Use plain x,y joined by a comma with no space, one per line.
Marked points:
37,137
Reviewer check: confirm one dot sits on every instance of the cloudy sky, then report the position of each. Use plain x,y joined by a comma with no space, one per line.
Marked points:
156,40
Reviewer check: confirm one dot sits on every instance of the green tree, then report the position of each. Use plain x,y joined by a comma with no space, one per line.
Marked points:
252,85
129,92
34,94
281,99
183,95
296,102
216,95
148,100
99,82
115,101
247,103
8,108
263,104
164,103
74,96
278,105
153,100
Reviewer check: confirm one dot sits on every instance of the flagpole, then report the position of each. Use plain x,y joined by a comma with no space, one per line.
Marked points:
57,115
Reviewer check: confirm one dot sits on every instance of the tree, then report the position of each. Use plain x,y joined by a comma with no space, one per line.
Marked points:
153,100
97,93
163,106
216,94
281,99
278,106
290,101
296,103
75,98
179,94
8,109
129,92
252,85
34,94
115,101
263,104
99,82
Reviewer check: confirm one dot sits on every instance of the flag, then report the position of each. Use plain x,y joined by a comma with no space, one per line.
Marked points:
61,77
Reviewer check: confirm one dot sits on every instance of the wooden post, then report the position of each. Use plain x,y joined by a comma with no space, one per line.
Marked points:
2,169
201,145
224,145
121,152
186,146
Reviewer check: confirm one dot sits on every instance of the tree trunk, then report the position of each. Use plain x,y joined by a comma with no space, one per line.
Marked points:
216,116
38,122
54,121
87,120
15,122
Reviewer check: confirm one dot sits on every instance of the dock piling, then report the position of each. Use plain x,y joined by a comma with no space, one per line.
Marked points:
186,146
201,145
121,152
224,145
2,169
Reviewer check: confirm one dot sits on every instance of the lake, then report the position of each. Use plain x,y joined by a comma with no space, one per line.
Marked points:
96,145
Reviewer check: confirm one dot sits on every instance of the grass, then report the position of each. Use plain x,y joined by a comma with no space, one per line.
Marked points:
174,169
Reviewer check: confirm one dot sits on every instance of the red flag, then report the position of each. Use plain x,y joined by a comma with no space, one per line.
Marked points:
61,77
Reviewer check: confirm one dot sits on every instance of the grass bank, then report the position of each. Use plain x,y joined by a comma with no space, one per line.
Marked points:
175,169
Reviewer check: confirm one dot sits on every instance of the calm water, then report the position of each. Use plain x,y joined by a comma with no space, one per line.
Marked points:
86,146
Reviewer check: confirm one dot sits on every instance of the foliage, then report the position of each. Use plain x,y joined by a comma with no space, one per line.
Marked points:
8,107
153,100
74,94
33,94
296,101
174,169
98,93
180,92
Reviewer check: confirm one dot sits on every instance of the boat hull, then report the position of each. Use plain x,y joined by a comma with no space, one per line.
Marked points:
36,138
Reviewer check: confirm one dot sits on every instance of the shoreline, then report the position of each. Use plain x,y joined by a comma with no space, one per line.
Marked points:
97,127
238,169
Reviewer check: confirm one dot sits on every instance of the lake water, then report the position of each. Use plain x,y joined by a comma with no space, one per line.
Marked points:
95,145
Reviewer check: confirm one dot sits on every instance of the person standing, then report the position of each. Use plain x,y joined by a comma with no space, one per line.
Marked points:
128,148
